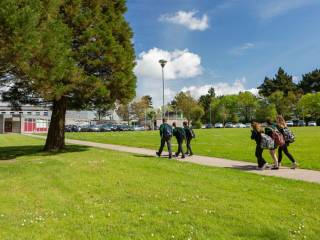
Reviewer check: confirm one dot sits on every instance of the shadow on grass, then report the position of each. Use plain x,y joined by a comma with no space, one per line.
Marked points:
12,152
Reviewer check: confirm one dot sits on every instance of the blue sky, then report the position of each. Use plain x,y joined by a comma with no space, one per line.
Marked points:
231,45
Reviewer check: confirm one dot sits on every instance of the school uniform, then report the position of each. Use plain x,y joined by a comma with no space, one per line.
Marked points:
257,137
165,138
179,133
188,140
284,148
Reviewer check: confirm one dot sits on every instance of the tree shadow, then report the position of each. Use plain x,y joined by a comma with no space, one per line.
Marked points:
12,152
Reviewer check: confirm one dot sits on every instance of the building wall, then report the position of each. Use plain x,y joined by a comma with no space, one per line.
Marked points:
16,125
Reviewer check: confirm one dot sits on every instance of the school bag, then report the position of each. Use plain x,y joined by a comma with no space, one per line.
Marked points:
266,142
278,138
167,131
288,135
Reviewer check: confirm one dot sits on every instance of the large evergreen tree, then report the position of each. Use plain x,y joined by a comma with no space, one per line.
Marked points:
310,82
281,82
68,53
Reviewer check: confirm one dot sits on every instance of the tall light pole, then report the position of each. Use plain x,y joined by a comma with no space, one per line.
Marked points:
163,63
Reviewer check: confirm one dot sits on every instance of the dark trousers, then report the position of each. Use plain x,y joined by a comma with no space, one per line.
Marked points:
180,149
188,143
284,148
259,156
164,141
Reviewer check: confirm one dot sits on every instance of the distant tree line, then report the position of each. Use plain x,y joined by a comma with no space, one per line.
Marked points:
277,95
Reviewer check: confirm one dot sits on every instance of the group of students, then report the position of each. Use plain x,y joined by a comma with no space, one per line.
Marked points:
181,133
273,136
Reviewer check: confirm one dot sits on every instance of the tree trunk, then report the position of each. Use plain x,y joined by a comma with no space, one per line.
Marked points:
55,138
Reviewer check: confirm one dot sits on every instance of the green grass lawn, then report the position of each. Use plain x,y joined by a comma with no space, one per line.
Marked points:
87,193
226,143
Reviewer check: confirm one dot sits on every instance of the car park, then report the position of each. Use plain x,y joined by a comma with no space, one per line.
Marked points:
289,123
209,125
301,123
229,125
240,125
218,125
106,128
72,128
138,128
312,124
248,125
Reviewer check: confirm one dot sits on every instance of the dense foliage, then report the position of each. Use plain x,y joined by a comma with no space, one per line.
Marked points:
68,53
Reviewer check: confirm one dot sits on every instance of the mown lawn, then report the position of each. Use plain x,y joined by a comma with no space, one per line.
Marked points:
226,143
87,193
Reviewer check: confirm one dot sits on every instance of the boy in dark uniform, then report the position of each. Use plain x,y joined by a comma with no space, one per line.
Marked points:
189,136
166,135
180,135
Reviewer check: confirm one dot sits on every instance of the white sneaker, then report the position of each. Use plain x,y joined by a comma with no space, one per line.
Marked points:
294,165
263,167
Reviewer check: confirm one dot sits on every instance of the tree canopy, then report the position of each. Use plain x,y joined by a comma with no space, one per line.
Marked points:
281,82
71,54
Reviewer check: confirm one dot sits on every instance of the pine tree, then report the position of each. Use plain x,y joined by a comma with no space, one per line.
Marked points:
73,54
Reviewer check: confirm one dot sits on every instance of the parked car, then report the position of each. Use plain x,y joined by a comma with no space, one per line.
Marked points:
301,123
229,125
138,128
209,125
289,123
106,127
123,127
248,125
240,125
218,125
312,124
72,128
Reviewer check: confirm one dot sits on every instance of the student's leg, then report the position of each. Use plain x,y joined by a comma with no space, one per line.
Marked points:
259,157
163,141
181,149
169,147
286,152
280,154
274,157
189,146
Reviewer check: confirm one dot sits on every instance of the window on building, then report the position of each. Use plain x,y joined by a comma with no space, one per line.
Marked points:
29,113
37,113
20,112
3,113
45,114
11,112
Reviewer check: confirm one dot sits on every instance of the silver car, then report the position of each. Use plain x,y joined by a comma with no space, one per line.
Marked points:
218,125
312,124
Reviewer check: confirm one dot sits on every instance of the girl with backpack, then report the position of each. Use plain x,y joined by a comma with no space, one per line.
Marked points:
256,135
282,127
270,131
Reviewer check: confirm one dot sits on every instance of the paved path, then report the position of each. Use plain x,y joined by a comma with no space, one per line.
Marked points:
297,174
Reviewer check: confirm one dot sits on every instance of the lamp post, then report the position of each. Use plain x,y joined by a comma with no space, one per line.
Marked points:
163,63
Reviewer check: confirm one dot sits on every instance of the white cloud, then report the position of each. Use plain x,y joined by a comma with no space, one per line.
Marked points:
187,19
242,49
182,64
221,88
273,8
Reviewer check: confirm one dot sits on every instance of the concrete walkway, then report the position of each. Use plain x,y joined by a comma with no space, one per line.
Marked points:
297,174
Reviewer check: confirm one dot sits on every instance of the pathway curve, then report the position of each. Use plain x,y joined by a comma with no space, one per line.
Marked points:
297,174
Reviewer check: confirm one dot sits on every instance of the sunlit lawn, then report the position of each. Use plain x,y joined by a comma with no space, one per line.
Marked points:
226,143
87,193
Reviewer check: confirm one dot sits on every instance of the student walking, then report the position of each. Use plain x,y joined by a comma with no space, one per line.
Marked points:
269,130
189,136
180,135
256,135
166,135
282,127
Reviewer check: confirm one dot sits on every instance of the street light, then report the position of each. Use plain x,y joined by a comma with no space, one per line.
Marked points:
163,63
